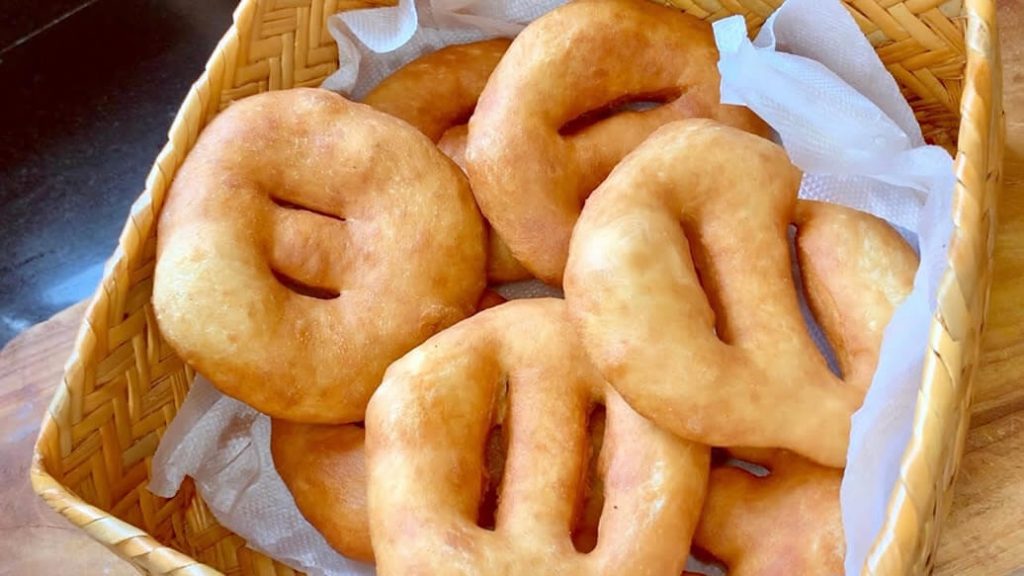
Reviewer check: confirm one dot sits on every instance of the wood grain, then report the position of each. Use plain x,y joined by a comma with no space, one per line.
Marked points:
983,535
33,538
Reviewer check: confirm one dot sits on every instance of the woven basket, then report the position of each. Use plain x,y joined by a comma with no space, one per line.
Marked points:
123,383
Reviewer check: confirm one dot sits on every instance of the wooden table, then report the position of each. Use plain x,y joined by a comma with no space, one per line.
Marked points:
33,538
983,536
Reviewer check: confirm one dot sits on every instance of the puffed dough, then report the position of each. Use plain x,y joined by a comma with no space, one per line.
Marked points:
855,270
306,243
786,523
324,467
679,280
502,266
439,90
530,162
437,93
519,366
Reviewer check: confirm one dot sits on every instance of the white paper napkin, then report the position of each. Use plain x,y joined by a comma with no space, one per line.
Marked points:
224,446
812,75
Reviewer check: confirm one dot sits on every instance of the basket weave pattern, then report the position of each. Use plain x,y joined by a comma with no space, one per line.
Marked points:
123,383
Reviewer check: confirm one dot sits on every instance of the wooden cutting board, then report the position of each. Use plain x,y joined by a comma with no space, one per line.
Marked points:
983,535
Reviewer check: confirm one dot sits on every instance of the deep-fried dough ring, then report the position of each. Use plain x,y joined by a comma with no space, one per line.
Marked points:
734,366
439,90
784,524
437,93
306,188
502,266
529,178
518,365
855,269
324,468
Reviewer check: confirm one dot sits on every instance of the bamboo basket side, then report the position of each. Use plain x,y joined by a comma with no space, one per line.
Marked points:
123,384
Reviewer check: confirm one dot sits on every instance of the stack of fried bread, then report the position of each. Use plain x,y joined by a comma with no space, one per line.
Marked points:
331,264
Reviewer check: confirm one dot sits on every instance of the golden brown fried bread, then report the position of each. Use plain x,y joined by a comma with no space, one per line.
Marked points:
538,144
680,282
518,366
855,270
439,90
453,144
502,266
324,468
306,243
437,93
786,523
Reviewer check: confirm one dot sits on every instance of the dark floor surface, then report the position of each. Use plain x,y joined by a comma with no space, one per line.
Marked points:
88,91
